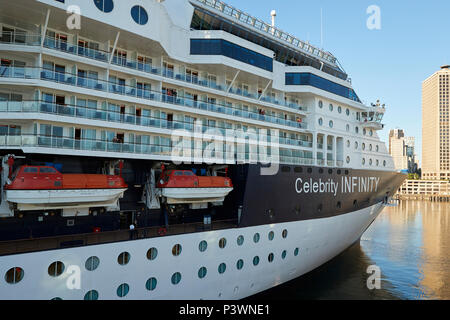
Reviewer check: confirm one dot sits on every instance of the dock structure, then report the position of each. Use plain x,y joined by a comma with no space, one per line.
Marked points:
431,190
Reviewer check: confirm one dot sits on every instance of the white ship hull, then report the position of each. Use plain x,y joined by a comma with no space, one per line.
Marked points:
318,241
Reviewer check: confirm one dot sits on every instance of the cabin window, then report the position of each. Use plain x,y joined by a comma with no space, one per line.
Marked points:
139,15
14,275
151,283
105,6
152,253
178,173
123,258
176,250
122,290
30,170
56,269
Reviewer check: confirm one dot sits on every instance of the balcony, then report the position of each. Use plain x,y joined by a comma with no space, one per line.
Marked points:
104,56
43,107
141,149
130,91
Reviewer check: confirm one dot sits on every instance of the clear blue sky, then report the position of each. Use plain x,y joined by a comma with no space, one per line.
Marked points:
388,64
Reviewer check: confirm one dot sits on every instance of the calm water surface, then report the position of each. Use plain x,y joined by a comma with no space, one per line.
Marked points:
411,245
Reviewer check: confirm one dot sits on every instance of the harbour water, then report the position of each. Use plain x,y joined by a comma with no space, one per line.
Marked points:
410,244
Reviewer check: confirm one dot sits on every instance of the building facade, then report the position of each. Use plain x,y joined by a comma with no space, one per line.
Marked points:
435,126
402,150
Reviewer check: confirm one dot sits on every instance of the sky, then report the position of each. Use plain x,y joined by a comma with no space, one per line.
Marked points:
388,64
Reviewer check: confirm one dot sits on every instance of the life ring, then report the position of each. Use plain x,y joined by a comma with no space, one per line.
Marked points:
162,231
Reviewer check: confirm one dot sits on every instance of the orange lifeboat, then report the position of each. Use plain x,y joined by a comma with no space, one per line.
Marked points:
183,186
43,187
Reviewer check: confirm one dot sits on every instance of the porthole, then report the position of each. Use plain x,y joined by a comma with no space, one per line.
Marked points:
309,170
339,171
370,162
139,15
222,243
105,6
364,146
176,250
202,246
91,295
363,161
296,251
356,129
92,263
14,275
176,278
378,162
356,145
57,298
339,205
355,203
348,159
123,258
271,235
256,238
298,169
283,254
256,261
348,143
270,257
320,121
331,107
284,234
239,264
364,131
240,240
319,208
339,109
320,170
151,283
371,133
347,112
202,272
297,209
330,171
285,169
222,268
152,253
377,148
347,127
331,124
123,290
320,104
347,172
384,163
56,269
370,147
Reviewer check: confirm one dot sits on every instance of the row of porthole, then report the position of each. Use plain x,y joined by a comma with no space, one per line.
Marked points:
331,108
15,275
363,146
310,170
338,206
377,162
151,283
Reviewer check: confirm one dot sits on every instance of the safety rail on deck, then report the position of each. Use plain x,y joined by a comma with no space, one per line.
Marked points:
80,240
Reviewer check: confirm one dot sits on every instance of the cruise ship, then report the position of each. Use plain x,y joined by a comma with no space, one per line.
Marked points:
175,149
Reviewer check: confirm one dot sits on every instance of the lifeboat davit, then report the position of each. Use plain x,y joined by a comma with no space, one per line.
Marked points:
44,187
183,186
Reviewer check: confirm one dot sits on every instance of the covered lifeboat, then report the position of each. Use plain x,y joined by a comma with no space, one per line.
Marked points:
44,187
183,186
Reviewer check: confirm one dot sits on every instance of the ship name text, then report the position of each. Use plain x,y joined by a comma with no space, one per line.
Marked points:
346,185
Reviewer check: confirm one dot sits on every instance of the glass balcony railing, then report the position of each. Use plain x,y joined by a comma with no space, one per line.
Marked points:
105,56
132,119
70,143
131,91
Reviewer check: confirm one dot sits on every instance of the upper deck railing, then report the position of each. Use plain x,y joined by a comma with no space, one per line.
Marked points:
268,29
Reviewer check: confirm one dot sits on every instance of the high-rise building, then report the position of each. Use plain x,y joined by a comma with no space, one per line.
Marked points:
402,150
435,125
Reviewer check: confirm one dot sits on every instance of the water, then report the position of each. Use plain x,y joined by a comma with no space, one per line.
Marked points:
411,245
